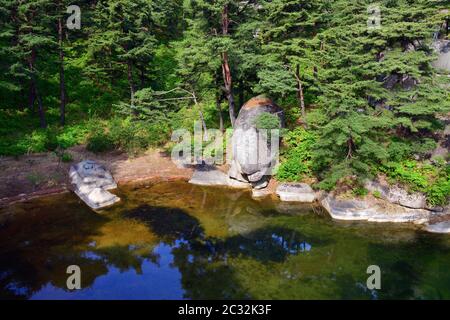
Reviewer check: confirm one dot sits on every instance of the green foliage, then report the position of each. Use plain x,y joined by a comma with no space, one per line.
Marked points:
127,135
66,157
99,141
433,180
360,191
377,194
139,69
296,157
267,121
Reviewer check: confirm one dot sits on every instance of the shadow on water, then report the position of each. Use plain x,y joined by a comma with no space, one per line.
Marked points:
33,247
202,260
167,223
177,241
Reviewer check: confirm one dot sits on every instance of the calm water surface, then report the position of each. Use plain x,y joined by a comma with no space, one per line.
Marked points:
177,241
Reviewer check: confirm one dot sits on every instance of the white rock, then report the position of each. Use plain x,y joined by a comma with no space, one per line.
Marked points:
440,227
398,195
299,192
211,176
353,209
90,181
260,193
97,198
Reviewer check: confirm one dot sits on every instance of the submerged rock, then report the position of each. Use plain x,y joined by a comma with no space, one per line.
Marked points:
91,181
299,192
253,155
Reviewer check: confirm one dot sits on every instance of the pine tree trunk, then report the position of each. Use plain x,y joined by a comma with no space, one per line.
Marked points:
241,93
219,110
142,76
41,111
227,79
62,85
31,97
130,81
300,95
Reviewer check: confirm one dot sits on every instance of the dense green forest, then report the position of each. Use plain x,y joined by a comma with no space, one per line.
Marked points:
360,100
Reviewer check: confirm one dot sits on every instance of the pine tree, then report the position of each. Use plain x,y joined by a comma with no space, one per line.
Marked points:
375,82
291,47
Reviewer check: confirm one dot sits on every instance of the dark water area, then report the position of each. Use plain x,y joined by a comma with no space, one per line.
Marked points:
178,241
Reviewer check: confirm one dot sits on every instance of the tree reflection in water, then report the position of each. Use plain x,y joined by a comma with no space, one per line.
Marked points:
178,241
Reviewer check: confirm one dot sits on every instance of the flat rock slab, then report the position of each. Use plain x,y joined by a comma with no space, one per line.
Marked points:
440,227
298,192
260,193
211,176
355,210
90,181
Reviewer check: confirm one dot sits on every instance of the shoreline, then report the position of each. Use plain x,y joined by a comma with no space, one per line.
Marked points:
155,166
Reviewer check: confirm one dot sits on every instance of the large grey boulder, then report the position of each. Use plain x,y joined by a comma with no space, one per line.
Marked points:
253,156
91,181
397,195
299,192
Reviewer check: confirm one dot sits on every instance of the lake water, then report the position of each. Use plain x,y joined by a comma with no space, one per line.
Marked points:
178,241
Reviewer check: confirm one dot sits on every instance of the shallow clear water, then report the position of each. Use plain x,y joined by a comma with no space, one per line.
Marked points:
177,241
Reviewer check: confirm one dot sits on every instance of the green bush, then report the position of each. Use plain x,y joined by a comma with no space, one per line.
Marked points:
99,141
360,191
126,134
66,157
296,157
433,180
267,121
377,194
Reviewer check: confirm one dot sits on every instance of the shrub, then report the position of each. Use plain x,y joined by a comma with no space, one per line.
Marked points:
296,158
377,194
66,157
434,181
267,121
360,191
99,141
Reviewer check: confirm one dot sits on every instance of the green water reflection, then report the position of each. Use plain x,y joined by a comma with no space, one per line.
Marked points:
177,241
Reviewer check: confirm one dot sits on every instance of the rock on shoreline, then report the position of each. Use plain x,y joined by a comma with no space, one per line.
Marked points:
90,182
298,192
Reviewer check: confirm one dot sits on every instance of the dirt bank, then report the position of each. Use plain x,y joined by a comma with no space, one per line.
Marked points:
41,174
